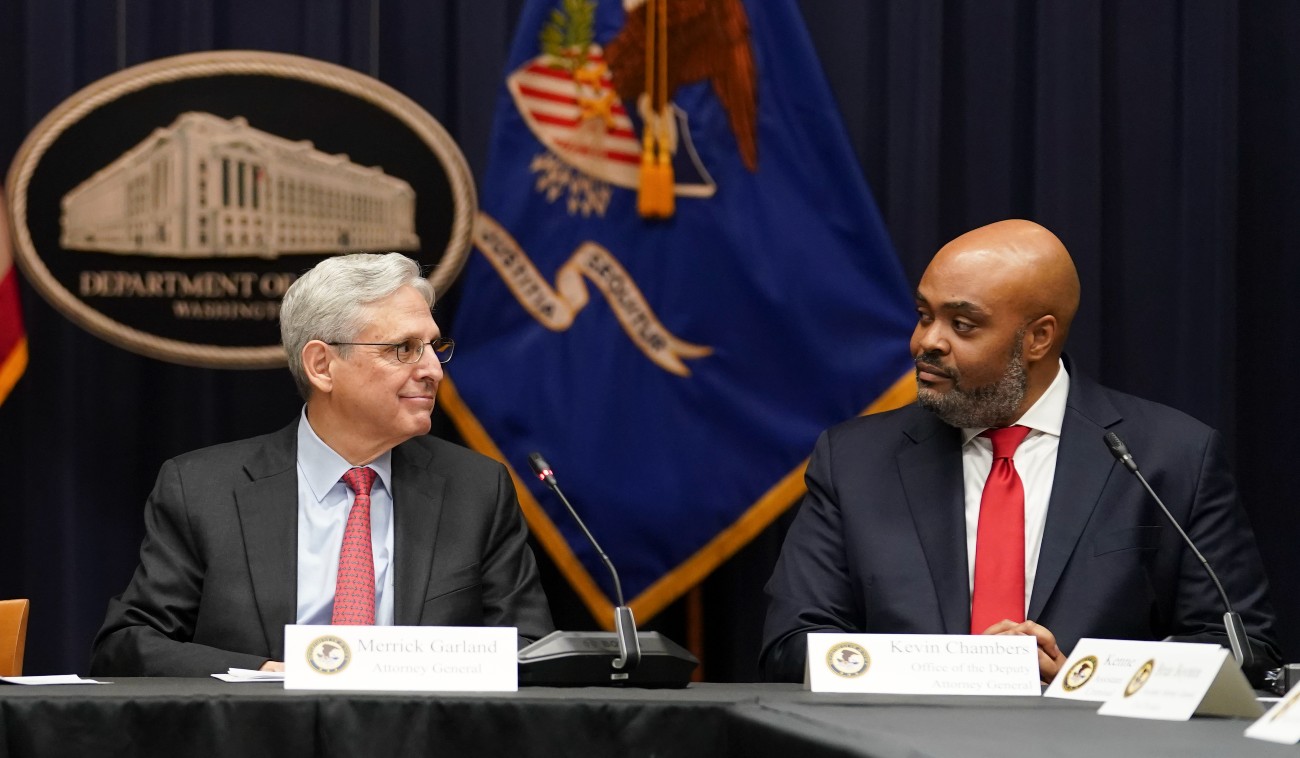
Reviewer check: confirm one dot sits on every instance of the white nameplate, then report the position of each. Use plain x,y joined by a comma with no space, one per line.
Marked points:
928,664
1098,670
1180,680
403,658
1281,723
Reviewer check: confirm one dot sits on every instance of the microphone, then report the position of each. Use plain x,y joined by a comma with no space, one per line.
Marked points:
624,623
1237,638
645,659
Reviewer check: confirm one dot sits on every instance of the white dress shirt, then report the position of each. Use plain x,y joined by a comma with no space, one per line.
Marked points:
1035,462
323,505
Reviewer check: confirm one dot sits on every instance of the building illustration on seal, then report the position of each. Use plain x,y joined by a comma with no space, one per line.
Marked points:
210,187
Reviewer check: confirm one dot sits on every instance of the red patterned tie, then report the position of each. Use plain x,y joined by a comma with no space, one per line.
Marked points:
354,592
1000,538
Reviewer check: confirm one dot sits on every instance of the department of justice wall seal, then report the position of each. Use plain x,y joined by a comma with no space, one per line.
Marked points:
167,207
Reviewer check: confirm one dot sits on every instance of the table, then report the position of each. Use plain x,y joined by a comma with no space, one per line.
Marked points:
206,717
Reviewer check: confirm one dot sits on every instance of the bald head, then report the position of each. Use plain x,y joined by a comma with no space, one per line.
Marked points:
995,306
1017,265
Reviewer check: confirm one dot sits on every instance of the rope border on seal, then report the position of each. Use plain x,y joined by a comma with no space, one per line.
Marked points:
224,63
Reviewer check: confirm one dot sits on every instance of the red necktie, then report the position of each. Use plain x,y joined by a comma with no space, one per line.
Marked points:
354,592
1000,538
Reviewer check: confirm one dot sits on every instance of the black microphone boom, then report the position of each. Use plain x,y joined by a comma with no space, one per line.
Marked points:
1237,638
584,659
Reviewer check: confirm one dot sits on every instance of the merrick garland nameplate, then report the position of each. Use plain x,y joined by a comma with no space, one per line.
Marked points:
401,658
933,664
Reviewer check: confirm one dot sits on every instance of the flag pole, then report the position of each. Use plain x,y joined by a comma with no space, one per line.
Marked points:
695,629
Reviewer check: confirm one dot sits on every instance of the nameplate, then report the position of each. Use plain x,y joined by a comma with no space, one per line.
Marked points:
401,658
1281,723
925,664
1097,670
1181,680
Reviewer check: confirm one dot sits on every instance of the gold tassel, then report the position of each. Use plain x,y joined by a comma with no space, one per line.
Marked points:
648,190
666,202
656,195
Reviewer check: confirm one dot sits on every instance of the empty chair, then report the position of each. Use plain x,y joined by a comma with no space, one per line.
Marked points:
13,636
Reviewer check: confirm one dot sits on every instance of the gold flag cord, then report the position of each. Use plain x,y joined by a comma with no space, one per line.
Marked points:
655,193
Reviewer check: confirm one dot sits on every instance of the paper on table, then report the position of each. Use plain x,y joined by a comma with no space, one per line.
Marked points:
51,679
250,675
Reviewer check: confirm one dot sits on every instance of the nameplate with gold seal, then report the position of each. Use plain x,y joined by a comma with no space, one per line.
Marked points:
401,658
1281,723
1099,669
926,664
1180,680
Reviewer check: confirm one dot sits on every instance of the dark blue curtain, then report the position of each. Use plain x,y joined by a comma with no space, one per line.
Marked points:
1157,139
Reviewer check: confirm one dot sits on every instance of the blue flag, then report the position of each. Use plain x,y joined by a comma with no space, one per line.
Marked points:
680,280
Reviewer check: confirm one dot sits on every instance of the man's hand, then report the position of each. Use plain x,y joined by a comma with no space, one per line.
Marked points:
1050,656
272,666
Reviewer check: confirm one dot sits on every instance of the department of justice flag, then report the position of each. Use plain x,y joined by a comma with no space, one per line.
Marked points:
680,279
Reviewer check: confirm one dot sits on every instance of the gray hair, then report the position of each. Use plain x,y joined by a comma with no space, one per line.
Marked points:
328,302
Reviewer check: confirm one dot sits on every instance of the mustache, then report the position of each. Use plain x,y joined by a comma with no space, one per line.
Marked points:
931,361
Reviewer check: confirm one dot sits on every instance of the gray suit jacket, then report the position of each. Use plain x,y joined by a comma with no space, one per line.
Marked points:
217,580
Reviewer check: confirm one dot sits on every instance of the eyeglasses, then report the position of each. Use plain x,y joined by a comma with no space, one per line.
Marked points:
411,349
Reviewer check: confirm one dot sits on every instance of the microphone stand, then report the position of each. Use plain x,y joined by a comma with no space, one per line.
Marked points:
1237,638
644,659
629,647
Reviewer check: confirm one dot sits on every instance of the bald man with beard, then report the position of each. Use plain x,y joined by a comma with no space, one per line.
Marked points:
886,539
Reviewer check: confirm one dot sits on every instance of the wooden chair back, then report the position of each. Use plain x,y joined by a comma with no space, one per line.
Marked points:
13,636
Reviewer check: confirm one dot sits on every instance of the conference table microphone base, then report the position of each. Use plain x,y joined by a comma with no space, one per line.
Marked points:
586,659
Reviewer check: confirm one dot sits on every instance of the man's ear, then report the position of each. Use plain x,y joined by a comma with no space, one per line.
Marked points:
1040,336
318,363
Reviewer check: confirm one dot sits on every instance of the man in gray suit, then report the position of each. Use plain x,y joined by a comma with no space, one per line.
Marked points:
246,537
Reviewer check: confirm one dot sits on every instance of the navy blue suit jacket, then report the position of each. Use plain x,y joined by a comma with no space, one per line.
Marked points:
879,543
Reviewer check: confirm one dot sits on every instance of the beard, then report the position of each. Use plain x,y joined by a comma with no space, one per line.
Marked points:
993,404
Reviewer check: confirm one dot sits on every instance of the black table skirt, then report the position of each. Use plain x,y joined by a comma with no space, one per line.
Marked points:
206,717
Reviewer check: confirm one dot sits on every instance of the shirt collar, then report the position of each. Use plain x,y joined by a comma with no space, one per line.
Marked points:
322,468
1047,414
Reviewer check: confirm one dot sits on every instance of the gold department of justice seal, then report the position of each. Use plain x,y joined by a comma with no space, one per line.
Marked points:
1140,678
328,654
1080,673
848,659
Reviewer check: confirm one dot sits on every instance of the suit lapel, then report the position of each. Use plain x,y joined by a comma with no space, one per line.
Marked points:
1083,465
268,518
417,507
932,480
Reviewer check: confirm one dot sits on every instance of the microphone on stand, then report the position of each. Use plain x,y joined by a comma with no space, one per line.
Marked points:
644,659
1237,638
624,624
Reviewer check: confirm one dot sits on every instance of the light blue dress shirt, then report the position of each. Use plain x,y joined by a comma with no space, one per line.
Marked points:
323,505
